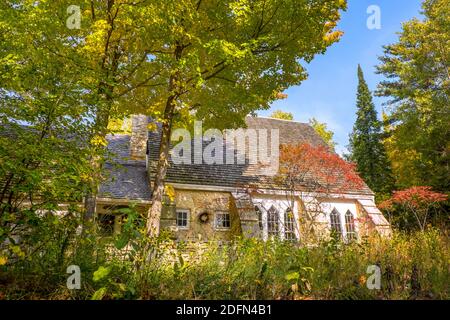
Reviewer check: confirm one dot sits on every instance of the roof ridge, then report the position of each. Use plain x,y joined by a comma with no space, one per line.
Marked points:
293,121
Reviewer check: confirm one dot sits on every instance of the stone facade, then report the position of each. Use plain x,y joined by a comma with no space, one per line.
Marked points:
201,203
244,218
139,137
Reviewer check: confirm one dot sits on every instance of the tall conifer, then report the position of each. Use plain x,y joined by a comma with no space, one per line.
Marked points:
366,146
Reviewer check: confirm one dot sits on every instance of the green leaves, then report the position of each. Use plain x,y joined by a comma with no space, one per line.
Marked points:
99,294
101,273
366,147
418,86
323,131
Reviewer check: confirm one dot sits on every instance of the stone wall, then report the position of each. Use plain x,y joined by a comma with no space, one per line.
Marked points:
201,202
244,220
139,137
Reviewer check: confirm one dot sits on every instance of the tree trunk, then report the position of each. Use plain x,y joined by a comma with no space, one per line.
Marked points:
154,213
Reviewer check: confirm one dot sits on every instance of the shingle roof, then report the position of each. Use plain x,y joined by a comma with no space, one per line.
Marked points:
131,181
125,178
238,175
127,181
291,132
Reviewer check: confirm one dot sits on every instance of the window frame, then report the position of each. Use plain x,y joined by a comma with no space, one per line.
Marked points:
111,226
281,210
222,212
351,223
342,218
336,223
276,232
289,226
188,215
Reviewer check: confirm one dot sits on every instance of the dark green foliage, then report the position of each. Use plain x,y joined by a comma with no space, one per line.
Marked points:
366,146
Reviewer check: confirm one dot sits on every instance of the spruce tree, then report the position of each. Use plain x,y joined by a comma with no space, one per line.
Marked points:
366,146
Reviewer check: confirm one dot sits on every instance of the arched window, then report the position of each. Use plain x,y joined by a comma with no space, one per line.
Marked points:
289,226
273,225
350,226
336,228
260,217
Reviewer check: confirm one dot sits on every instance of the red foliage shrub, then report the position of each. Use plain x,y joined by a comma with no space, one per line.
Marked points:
317,169
416,197
416,202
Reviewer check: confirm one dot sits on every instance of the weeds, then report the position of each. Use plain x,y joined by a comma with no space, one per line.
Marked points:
413,266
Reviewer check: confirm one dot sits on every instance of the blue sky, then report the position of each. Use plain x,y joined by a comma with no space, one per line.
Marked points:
329,93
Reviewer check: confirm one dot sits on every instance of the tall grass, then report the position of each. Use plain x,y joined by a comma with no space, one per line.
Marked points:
413,266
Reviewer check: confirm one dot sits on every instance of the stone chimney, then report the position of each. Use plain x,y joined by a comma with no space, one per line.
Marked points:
139,137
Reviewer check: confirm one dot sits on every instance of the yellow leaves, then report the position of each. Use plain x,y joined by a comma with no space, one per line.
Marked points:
3,260
18,251
86,177
280,95
229,50
342,4
122,126
152,126
98,141
95,41
170,192
330,25
240,8
332,37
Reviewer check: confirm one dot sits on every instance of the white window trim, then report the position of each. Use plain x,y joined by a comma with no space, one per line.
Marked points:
188,217
355,227
342,222
215,220
281,206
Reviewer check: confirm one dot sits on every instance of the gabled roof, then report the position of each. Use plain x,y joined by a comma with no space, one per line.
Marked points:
131,180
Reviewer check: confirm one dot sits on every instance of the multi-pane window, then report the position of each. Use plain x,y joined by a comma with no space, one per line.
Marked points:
223,220
335,220
260,217
276,223
182,219
350,226
273,229
289,226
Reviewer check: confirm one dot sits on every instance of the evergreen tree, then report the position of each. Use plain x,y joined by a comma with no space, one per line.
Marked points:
416,81
366,147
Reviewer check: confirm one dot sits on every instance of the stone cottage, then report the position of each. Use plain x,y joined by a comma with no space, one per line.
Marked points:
220,201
